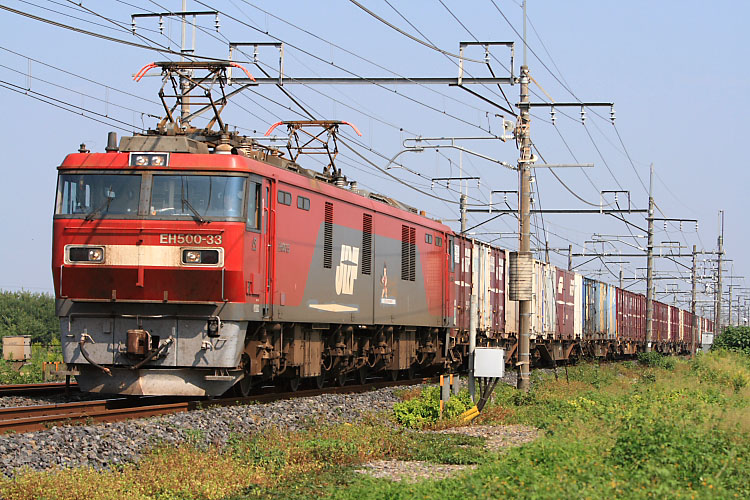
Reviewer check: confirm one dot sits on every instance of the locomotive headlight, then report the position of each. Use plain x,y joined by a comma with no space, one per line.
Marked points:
206,257
157,160
94,255
191,256
141,160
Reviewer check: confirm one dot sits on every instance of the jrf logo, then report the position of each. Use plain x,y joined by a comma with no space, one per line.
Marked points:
346,271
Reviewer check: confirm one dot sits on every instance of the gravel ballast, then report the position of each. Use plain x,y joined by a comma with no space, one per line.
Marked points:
108,444
114,443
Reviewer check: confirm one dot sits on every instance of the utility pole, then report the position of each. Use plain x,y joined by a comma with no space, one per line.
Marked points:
462,203
184,83
729,319
650,264
524,220
719,291
694,325
570,258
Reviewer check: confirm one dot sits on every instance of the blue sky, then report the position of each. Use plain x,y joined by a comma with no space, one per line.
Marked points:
675,70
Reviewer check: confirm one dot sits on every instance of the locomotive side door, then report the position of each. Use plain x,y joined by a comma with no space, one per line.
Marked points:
258,253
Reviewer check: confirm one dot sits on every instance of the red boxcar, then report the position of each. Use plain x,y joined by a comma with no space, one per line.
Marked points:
674,324
565,304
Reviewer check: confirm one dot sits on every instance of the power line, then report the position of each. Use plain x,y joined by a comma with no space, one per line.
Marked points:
97,35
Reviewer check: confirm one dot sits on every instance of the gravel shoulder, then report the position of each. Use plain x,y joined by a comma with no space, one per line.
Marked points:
497,438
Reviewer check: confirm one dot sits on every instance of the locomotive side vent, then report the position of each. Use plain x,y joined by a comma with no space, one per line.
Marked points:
412,253
366,244
408,253
328,236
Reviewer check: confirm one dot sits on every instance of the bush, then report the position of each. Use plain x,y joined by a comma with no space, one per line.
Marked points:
656,359
733,338
424,410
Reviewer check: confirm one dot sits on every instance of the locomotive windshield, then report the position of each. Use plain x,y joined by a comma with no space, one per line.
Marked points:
201,197
197,195
95,195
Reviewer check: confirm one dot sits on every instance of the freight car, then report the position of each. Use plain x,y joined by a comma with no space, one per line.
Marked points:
192,262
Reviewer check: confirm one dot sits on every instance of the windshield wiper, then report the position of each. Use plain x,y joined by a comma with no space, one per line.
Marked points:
92,214
197,216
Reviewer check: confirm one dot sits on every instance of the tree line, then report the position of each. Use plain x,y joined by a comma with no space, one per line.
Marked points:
29,313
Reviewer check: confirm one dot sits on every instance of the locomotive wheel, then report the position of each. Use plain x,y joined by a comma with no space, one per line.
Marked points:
320,380
293,383
362,375
340,379
245,385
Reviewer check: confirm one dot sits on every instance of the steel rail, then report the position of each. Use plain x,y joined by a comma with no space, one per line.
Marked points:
45,388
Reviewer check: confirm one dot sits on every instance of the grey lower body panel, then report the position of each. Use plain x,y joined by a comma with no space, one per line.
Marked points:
156,382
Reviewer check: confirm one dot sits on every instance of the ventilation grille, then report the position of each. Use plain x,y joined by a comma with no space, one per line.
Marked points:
366,244
328,236
408,253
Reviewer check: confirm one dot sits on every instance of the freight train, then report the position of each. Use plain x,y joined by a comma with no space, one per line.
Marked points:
188,268
194,262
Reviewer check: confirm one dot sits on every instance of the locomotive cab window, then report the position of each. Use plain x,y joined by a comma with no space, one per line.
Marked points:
303,203
428,238
253,206
98,195
438,241
197,196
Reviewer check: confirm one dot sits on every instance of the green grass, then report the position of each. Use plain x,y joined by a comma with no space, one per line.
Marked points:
31,372
626,430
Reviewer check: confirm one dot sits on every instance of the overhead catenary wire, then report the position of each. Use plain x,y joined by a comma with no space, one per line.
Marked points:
99,35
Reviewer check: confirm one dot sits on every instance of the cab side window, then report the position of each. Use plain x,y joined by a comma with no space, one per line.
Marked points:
253,206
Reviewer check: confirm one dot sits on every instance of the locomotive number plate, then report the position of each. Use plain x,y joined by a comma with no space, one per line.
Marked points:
190,239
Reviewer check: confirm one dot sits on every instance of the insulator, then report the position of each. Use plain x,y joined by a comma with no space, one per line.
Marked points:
612,115
552,114
217,22
665,225
583,114
132,25
696,226
680,226
161,25
487,54
615,197
505,198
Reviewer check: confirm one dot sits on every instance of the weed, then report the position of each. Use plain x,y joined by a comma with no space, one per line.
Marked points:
424,410
656,360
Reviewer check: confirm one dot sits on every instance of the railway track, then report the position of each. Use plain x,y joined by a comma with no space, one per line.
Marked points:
36,389
39,417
